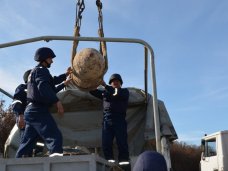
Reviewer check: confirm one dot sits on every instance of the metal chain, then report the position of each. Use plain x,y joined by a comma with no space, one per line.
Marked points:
103,47
80,6
100,16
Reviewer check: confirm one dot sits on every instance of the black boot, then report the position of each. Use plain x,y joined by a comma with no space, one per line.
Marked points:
125,167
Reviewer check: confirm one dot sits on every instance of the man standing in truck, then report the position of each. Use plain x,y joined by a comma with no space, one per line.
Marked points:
115,102
18,106
41,94
20,102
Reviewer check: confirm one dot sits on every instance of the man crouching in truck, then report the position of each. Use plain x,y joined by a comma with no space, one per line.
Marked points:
41,94
115,102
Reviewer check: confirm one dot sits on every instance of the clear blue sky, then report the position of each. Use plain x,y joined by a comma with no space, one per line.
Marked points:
189,39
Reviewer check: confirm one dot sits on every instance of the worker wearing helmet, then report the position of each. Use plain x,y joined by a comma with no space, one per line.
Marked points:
115,102
150,160
19,103
41,94
18,106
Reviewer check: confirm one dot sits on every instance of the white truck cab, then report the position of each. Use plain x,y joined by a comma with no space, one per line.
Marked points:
215,152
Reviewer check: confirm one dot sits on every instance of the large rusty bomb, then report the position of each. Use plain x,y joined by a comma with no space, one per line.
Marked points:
88,69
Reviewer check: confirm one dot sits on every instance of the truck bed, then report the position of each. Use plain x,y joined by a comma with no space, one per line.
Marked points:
65,163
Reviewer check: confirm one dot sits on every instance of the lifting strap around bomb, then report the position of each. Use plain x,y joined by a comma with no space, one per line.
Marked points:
77,77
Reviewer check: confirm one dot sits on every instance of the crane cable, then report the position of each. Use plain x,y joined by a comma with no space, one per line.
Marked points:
80,6
103,47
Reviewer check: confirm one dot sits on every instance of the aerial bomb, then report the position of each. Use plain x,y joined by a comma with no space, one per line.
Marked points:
88,69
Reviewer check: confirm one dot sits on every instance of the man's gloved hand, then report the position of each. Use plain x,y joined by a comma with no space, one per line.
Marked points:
60,108
69,71
21,122
67,81
103,83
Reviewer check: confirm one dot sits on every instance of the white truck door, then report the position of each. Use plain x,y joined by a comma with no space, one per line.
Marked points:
209,158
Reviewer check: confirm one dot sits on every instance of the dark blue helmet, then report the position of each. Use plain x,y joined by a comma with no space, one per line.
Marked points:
26,74
43,53
115,77
150,160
